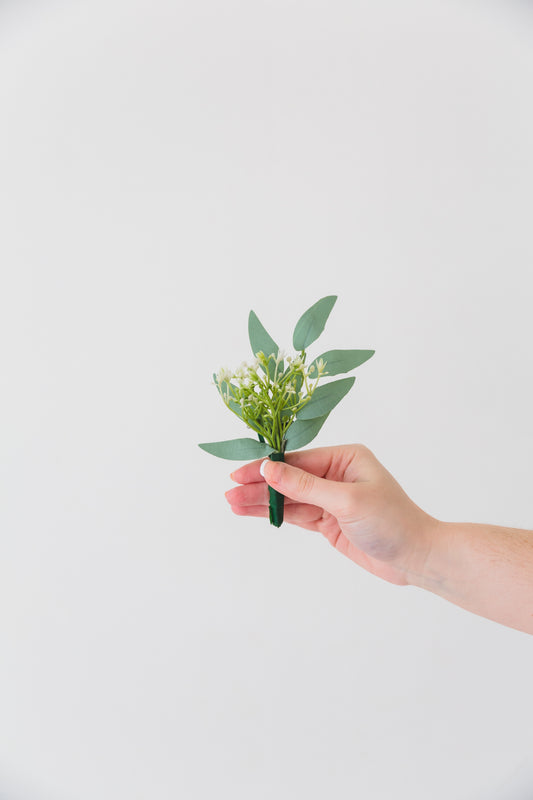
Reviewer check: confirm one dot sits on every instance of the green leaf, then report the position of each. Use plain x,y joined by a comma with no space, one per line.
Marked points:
338,361
312,322
303,431
325,398
238,449
262,342
235,407
223,389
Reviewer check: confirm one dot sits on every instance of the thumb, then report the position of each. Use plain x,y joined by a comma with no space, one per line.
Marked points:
303,486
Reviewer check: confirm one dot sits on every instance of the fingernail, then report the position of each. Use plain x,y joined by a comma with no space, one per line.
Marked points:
262,467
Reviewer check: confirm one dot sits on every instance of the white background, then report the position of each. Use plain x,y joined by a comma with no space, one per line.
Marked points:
165,167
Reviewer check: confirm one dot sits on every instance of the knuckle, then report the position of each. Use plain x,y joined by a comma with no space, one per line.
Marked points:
304,484
363,451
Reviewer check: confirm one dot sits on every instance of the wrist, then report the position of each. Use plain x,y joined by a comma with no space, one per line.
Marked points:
427,566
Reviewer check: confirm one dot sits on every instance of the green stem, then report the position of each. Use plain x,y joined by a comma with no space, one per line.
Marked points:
276,501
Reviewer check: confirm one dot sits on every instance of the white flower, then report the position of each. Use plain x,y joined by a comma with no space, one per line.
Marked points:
298,362
224,375
242,371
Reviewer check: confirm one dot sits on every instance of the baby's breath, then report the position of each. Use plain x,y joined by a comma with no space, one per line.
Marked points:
268,393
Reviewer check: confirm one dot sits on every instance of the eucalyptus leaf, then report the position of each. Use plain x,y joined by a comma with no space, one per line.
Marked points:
262,342
223,389
338,361
325,398
235,407
312,322
238,449
303,431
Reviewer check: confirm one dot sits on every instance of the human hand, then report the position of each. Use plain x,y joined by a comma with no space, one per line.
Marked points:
348,496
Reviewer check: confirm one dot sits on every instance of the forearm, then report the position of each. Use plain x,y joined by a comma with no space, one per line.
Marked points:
485,569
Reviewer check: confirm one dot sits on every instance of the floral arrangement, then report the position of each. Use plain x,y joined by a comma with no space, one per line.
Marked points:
278,395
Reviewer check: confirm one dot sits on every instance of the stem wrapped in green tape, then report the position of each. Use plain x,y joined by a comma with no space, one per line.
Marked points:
276,500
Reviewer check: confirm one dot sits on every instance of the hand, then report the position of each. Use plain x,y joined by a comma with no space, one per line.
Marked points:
349,497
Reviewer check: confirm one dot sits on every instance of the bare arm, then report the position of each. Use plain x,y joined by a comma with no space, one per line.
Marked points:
485,569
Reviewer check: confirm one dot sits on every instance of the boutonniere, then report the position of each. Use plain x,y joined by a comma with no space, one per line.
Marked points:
281,397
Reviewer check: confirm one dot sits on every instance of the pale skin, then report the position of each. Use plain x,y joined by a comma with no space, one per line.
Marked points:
349,497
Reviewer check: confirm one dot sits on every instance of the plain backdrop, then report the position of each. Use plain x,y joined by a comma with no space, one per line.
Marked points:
164,168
